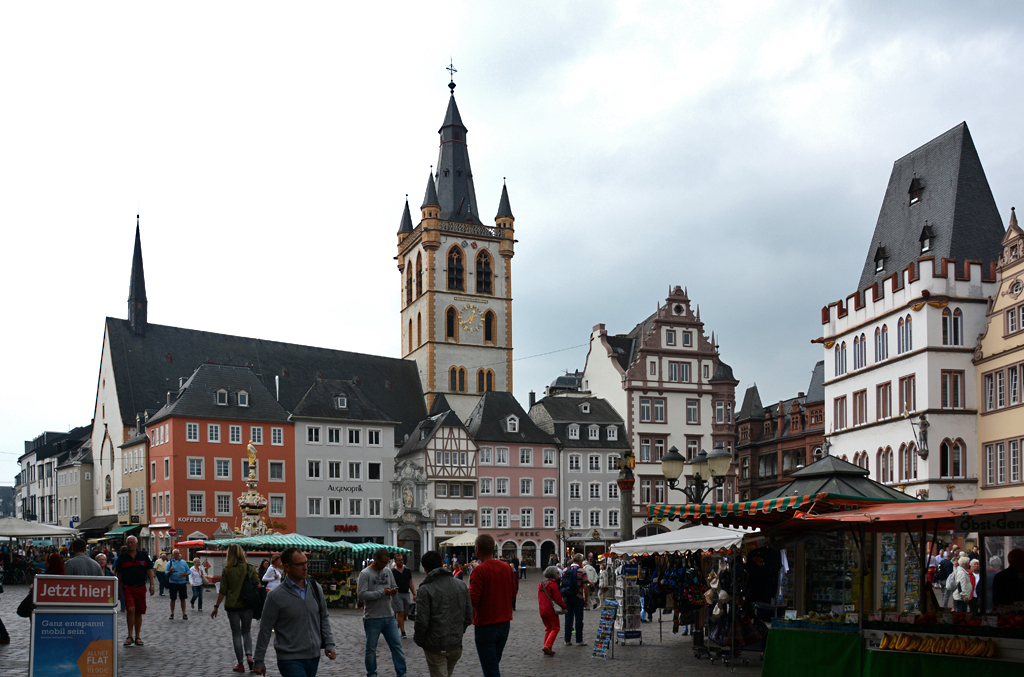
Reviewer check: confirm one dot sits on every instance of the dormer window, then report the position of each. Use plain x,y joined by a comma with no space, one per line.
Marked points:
585,408
341,402
595,432
574,432
512,424
243,398
222,397
613,432
927,238
915,190
880,257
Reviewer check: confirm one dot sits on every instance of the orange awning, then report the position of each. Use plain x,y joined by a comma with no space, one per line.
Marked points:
982,514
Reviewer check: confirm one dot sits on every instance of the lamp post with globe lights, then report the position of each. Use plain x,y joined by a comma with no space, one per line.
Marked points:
707,471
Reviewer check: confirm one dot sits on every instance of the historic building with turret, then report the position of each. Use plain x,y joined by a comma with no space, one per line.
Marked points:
457,280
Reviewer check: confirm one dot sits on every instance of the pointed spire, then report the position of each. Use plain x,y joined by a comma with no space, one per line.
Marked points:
453,174
406,225
1013,217
504,209
137,301
430,195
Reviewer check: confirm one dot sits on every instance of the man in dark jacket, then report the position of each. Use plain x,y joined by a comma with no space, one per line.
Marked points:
443,612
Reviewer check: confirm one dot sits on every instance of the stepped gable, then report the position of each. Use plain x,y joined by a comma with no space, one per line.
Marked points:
938,191
147,367
320,402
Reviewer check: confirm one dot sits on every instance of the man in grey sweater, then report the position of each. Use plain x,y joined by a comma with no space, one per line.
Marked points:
81,564
375,589
296,612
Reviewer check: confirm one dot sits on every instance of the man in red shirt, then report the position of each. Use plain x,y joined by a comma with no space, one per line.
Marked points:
492,589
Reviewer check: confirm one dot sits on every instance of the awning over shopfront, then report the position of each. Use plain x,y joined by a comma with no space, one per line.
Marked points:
466,540
98,524
769,512
982,514
121,532
698,537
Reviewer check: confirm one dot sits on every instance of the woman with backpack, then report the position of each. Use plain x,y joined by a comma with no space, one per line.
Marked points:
549,598
232,583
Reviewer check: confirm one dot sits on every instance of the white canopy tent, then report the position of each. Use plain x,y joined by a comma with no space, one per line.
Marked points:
697,537
11,527
464,540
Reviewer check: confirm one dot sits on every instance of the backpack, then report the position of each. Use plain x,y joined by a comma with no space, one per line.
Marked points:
945,569
568,584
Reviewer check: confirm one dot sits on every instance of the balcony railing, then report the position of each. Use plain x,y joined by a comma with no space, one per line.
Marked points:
470,229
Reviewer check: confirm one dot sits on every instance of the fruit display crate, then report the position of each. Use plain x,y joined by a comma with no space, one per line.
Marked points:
1005,649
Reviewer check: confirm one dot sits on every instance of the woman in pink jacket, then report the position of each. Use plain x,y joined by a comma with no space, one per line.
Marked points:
548,595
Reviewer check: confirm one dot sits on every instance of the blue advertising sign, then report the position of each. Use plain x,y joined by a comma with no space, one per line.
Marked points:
73,643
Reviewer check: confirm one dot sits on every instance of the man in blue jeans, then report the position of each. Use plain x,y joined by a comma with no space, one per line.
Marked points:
375,589
492,590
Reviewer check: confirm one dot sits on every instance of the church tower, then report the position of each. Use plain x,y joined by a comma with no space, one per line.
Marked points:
457,281
138,305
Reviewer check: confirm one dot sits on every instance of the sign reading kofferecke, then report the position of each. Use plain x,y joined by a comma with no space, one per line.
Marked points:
75,590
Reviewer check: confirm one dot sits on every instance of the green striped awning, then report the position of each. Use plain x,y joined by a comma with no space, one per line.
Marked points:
764,513
121,532
282,541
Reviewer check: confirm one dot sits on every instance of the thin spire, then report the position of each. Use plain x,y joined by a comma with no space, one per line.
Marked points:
430,195
138,304
1013,217
406,224
504,209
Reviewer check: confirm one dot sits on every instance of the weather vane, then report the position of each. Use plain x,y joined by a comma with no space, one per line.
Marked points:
451,70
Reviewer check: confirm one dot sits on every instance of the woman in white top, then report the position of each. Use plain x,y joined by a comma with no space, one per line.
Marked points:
273,577
195,577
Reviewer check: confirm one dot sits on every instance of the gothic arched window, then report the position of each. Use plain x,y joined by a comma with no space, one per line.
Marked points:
451,324
489,384
456,270
480,380
419,275
484,273
453,379
419,329
408,285
489,327
410,334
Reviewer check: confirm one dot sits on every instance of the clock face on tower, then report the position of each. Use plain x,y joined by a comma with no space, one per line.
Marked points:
469,318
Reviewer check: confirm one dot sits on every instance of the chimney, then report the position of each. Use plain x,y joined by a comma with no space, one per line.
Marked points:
533,399
181,382
277,386
168,398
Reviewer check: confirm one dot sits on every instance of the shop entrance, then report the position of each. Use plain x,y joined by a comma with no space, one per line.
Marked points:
529,558
509,549
547,551
411,539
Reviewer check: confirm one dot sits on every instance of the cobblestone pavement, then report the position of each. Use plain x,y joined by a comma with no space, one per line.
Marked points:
201,646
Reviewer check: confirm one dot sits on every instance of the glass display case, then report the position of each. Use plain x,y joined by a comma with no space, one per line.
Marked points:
831,561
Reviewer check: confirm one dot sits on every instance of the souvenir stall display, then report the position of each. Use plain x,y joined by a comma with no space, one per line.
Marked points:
627,597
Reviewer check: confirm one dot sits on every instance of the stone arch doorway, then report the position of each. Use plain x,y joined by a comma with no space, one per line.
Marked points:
650,530
410,538
547,551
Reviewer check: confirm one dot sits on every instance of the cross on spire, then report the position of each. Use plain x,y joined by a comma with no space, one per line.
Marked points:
451,73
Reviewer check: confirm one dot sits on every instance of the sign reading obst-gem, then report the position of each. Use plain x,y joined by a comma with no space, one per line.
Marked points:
75,591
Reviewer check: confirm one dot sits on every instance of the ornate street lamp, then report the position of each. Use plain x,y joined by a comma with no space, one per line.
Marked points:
706,470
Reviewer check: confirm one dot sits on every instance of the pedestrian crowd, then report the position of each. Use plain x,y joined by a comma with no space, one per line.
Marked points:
956,578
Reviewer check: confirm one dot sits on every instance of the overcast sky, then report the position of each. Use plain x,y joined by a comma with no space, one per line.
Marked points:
741,150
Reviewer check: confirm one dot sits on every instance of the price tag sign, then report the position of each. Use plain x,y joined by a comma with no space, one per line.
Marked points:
991,622
853,618
892,617
790,614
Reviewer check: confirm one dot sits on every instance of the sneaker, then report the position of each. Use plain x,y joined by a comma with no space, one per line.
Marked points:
581,643
184,617
549,651
403,636
238,668
568,643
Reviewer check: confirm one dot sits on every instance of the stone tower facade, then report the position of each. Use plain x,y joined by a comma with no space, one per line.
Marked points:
457,281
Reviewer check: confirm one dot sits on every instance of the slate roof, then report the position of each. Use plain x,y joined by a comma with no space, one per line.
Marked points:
54,444
319,403
622,346
504,208
425,430
487,422
554,415
723,373
835,476
198,397
132,441
751,407
453,175
955,201
81,455
816,388
406,225
146,367
430,194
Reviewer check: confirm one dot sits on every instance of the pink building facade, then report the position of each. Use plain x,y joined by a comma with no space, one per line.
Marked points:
517,470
